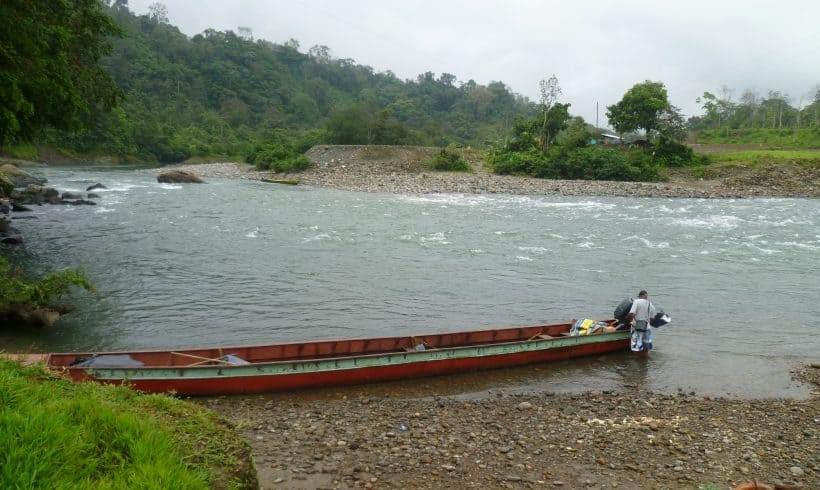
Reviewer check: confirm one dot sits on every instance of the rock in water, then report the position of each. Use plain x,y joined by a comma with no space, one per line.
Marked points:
95,187
34,194
8,234
11,239
19,177
92,195
178,177
6,185
19,208
71,195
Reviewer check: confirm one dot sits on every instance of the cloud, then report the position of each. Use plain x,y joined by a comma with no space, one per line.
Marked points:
598,49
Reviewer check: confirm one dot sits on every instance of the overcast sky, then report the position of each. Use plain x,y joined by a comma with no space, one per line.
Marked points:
598,49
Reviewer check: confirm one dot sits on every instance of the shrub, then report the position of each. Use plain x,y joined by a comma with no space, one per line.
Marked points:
309,139
595,163
279,157
575,135
512,163
40,293
449,160
672,153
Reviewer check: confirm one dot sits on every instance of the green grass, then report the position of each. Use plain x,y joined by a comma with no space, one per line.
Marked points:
807,158
727,163
777,155
768,138
22,151
58,434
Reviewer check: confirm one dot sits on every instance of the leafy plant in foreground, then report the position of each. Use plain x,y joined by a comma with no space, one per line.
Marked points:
16,291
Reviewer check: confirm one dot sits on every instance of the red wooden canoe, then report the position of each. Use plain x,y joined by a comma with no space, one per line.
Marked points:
289,366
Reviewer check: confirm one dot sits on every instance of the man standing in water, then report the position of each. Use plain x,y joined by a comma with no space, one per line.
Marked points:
640,314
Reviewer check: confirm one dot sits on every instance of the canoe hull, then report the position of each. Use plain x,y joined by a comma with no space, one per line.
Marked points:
313,374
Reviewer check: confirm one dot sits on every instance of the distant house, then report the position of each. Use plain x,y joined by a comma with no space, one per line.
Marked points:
606,137
611,139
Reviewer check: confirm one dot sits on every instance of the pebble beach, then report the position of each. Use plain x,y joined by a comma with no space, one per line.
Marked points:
403,170
356,438
384,438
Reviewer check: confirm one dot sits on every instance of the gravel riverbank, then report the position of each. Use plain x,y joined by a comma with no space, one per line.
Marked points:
403,170
354,438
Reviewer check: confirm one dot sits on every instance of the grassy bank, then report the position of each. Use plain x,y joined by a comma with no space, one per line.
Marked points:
725,160
757,157
765,138
782,173
58,434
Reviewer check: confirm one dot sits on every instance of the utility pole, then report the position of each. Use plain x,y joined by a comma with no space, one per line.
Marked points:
596,115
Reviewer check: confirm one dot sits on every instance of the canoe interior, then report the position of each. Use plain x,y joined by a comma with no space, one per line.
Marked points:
327,348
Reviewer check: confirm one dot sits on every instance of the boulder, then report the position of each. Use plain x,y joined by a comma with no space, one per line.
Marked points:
11,239
95,187
178,177
35,317
8,234
72,195
34,194
19,208
6,185
91,195
19,177
81,202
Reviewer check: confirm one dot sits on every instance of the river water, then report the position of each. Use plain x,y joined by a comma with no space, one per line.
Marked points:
238,262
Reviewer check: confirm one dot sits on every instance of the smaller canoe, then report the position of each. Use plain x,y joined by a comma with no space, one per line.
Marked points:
298,365
281,181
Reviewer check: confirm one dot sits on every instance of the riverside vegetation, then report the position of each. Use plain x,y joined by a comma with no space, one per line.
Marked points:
33,301
55,433
114,85
58,434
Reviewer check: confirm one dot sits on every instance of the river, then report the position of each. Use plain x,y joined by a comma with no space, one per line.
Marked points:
240,262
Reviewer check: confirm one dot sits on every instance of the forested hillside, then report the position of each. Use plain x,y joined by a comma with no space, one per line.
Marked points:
219,93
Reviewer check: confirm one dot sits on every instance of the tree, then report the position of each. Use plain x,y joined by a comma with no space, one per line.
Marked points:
555,119
50,74
216,93
553,122
245,33
671,125
640,108
710,105
158,12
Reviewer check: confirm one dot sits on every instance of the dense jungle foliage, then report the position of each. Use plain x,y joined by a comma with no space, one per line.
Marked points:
223,93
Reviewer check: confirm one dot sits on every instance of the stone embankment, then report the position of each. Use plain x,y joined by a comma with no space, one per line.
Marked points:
392,169
630,439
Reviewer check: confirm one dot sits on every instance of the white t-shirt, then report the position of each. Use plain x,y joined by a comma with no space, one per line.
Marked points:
642,309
